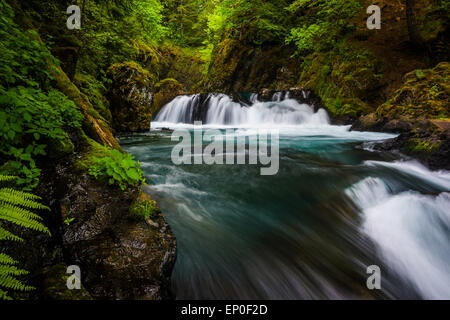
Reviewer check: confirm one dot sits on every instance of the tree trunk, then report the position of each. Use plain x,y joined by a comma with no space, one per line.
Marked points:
181,21
414,34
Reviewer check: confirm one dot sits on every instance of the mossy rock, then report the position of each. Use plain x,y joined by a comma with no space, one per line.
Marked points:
343,79
144,208
131,96
184,64
424,94
225,62
417,145
58,148
92,150
166,91
94,91
353,107
54,285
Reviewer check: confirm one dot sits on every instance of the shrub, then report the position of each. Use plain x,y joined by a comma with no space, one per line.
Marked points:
117,168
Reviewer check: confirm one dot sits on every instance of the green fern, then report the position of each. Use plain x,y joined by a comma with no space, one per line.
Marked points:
15,208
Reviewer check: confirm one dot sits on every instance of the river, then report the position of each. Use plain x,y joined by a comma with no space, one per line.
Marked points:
310,231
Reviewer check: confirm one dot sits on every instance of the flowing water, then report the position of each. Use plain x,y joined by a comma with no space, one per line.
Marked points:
309,232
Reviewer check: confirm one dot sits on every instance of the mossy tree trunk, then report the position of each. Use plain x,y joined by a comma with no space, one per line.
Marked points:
414,34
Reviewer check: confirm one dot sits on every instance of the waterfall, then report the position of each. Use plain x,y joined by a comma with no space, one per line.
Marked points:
220,109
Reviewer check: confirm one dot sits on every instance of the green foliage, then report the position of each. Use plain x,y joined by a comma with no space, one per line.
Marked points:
15,208
143,209
68,221
94,91
32,113
252,21
24,60
423,145
117,168
305,37
109,32
322,22
186,20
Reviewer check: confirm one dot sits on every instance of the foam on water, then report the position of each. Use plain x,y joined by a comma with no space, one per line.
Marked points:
288,116
410,228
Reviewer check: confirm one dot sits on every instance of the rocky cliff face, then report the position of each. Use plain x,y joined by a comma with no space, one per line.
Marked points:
238,67
138,90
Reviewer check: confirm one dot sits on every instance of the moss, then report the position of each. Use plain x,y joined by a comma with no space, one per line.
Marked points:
417,145
166,90
58,148
130,73
94,91
183,64
95,128
54,285
343,78
147,55
143,207
93,149
225,61
131,93
424,94
419,74
433,20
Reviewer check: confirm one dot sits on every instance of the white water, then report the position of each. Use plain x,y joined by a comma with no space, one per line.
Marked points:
223,111
411,229
288,116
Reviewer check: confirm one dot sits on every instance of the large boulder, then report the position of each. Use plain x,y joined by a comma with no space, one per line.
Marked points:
122,253
130,95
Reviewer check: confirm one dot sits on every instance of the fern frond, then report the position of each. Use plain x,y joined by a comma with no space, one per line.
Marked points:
4,295
10,282
22,217
20,194
5,259
7,178
6,235
20,198
21,212
6,270
13,208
